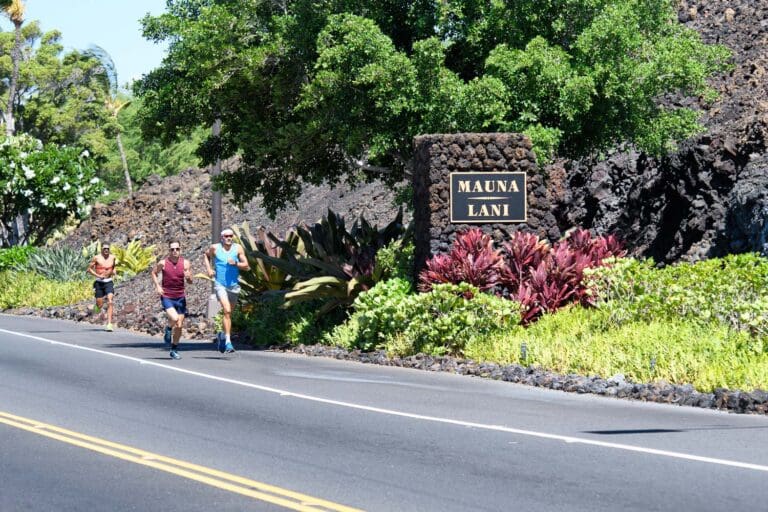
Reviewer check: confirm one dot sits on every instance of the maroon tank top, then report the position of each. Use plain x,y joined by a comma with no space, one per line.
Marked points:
173,278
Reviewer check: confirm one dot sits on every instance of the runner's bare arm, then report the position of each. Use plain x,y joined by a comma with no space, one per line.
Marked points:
157,268
187,271
207,255
242,261
91,268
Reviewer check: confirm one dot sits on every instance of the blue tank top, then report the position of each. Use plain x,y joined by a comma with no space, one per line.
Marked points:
226,274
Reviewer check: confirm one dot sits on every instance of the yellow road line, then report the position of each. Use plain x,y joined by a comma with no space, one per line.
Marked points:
215,478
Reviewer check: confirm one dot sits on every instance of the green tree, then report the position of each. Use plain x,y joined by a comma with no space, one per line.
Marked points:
114,103
145,158
14,10
331,90
60,96
41,186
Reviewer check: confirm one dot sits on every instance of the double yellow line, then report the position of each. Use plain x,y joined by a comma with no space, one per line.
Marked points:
229,482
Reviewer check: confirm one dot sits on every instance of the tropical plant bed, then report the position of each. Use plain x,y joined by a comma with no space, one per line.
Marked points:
752,402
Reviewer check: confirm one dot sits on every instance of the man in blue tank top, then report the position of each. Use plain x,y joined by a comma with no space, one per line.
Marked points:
225,260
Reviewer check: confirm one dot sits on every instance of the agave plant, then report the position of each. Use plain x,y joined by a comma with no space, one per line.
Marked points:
330,263
265,275
344,262
61,263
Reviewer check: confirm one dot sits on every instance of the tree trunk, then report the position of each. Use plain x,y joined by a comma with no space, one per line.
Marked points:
20,230
125,166
15,58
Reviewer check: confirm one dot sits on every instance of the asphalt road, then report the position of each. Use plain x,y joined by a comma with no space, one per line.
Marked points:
91,420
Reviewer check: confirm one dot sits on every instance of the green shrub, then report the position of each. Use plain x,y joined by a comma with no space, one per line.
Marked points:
267,322
60,263
91,250
396,260
438,322
587,342
133,258
729,290
52,183
26,289
377,313
15,256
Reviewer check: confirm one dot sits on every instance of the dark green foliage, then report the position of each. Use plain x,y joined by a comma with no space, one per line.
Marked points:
61,95
15,256
312,92
266,322
146,158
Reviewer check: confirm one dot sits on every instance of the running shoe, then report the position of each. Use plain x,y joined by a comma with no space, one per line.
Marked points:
174,354
222,340
229,349
96,309
167,336
109,327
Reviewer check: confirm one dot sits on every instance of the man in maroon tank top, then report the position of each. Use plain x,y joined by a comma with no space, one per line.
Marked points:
176,271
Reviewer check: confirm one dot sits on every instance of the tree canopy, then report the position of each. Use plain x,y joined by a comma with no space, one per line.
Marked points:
145,158
61,96
326,90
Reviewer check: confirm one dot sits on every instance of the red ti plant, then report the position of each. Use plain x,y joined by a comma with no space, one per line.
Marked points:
472,259
541,278
596,249
558,279
523,252
546,283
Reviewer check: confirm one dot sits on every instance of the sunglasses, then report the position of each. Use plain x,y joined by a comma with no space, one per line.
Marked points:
174,249
105,249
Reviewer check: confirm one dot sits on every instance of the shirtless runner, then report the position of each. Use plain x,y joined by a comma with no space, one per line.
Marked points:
102,267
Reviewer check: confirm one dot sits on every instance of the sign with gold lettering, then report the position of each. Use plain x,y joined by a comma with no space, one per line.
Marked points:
488,197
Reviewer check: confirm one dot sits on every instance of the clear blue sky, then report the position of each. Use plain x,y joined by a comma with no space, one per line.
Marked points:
111,24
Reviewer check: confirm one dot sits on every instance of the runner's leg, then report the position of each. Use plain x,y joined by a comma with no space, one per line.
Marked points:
110,296
173,318
177,328
226,313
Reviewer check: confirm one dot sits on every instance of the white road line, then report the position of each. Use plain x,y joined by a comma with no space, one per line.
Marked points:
421,417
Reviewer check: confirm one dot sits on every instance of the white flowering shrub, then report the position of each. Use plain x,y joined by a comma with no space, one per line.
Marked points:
42,185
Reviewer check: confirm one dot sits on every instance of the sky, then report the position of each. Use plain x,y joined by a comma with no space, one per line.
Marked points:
111,24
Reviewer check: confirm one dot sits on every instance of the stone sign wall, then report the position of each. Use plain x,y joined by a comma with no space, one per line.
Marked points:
437,156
